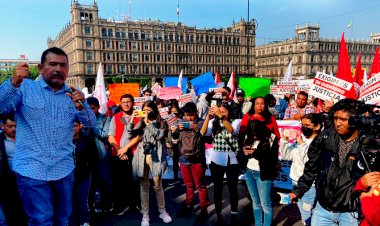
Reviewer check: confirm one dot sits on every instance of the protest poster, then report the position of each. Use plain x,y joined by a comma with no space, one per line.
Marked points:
275,91
173,81
328,87
172,120
370,91
293,129
138,101
283,180
119,89
254,87
156,88
167,93
289,83
202,83
185,98
163,111
217,95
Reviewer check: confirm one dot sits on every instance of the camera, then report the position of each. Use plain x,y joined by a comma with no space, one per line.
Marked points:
148,147
369,122
374,160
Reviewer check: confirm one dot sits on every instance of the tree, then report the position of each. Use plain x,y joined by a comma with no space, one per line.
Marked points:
33,72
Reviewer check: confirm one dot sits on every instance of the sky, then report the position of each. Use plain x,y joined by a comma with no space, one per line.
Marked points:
26,25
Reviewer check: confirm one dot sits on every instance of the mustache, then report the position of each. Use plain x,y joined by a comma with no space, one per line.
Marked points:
58,75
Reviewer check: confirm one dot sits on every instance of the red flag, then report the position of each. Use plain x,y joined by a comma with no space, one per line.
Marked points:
344,68
359,72
375,64
217,77
231,85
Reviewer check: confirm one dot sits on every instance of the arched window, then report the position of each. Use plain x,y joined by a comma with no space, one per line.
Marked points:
104,32
110,33
117,33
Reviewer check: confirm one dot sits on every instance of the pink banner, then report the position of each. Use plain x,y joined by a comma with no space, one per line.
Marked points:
168,93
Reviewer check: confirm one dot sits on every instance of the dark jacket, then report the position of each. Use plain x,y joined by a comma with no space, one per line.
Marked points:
4,167
335,184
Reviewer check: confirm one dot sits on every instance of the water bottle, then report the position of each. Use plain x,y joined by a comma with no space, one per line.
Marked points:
285,198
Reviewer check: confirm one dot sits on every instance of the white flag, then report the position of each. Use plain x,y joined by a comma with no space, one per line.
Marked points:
100,90
288,74
231,85
180,80
365,77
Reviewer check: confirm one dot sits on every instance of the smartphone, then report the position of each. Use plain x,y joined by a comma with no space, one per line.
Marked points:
186,125
213,103
141,114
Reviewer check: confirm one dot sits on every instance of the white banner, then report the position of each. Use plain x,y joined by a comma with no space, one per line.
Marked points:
328,87
370,91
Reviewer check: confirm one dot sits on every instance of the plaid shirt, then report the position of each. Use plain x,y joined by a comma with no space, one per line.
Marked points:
291,111
45,128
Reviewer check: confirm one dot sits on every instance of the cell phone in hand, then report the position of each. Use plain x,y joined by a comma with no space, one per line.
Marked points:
255,144
186,125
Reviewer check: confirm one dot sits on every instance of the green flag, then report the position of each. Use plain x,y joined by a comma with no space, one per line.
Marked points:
254,87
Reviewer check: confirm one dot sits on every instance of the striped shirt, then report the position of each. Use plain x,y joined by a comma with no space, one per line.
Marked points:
45,119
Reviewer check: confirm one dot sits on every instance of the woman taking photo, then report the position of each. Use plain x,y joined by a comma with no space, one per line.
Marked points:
223,156
260,134
151,156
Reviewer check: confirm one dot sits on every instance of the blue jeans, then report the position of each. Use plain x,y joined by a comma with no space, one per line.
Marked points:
261,201
80,201
323,217
46,202
306,204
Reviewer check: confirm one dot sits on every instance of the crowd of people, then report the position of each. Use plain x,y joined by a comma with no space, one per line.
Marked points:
66,158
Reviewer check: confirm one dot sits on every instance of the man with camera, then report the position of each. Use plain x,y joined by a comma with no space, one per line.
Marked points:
336,164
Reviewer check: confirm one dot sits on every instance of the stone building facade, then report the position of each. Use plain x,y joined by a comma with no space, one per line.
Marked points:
309,53
151,47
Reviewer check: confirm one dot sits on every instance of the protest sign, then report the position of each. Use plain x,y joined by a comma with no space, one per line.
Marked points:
167,93
173,81
156,88
254,87
202,83
172,120
217,95
328,87
370,91
292,129
283,180
163,111
290,83
118,89
140,100
183,99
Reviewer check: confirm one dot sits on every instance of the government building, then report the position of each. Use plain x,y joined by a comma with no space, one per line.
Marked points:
151,48
309,53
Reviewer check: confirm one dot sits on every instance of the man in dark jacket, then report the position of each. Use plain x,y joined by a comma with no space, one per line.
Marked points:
335,164
10,200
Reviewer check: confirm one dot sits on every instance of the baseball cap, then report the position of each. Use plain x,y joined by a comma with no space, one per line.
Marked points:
240,92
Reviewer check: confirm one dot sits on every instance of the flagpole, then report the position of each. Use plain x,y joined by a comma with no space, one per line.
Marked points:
178,11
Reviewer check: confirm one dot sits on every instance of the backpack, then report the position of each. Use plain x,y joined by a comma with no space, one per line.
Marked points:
190,144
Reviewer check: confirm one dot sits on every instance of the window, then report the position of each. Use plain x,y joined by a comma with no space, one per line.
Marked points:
148,35
89,55
130,34
108,44
134,45
136,35
104,32
159,36
154,36
117,33
158,57
146,46
88,43
142,35
109,69
134,56
123,35
108,56
87,30
110,32
90,69
122,69
122,45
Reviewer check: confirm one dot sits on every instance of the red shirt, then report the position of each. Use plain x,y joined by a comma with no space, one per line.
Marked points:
272,124
370,205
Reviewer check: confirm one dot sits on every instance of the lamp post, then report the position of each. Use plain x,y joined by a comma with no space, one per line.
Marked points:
247,37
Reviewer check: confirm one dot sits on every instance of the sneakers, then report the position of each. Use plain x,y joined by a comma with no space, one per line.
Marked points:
145,220
165,217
